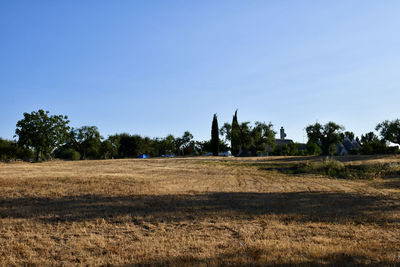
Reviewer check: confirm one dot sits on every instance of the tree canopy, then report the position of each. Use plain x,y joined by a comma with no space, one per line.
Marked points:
246,138
86,140
41,136
42,132
327,136
390,130
215,135
233,134
185,145
371,144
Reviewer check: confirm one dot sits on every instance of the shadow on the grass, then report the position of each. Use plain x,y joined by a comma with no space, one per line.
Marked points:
347,158
293,206
249,257
390,183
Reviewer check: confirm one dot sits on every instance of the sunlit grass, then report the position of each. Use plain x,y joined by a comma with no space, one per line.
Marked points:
199,211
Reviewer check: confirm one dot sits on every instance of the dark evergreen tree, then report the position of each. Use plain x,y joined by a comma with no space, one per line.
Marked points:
215,136
235,136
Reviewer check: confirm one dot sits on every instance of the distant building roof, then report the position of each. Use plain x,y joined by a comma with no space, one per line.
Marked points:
346,146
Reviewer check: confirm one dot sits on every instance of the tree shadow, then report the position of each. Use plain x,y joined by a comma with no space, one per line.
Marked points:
338,207
346,158
390,183
256,257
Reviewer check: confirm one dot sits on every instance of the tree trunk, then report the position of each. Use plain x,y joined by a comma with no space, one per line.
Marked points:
83,155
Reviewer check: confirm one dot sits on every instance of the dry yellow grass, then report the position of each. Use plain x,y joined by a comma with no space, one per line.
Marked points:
194,211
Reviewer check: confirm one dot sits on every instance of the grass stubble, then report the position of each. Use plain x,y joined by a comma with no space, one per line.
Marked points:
196,211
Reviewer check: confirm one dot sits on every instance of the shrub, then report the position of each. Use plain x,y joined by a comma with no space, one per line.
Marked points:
70,154
24,153
328,167
338,169
10,150
313,149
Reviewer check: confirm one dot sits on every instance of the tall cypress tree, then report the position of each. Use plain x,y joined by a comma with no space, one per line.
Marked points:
235,140
214,136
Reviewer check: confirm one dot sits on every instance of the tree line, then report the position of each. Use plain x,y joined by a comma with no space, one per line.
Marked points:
259,139
42,136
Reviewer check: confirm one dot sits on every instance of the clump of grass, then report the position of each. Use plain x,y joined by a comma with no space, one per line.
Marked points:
337,169
328,167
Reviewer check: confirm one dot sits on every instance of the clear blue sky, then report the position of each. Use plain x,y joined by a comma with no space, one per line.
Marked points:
160,67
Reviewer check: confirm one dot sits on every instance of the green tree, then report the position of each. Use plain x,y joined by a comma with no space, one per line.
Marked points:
42,132
130,145
262,134
167,145
215,136
205,146
390,130
313,148
235,135
291,149
314,133
87,141
371,144
226,131
115,142
164,146
184,145
368,138
10,150
246,140
327,136
107,149
250,138
125,144
148,147
68,153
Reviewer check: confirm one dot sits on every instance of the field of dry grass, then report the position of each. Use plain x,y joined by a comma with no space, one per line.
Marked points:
195,211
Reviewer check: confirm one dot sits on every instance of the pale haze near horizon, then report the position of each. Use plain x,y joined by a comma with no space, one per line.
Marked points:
159,67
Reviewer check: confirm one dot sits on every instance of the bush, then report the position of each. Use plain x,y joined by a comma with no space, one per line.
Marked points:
337,169
70,154
10,150
7,150
328,167
291,149
313,149
24,153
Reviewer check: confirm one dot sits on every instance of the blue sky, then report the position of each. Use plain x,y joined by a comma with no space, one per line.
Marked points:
160,67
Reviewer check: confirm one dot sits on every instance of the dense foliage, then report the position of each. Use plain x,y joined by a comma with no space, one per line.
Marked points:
43,136
326,136
371,144
86,140
247,139
232,133
390,130
10,150
215,136
42,132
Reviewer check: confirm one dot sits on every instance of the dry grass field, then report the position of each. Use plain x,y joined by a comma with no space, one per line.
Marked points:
195,211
